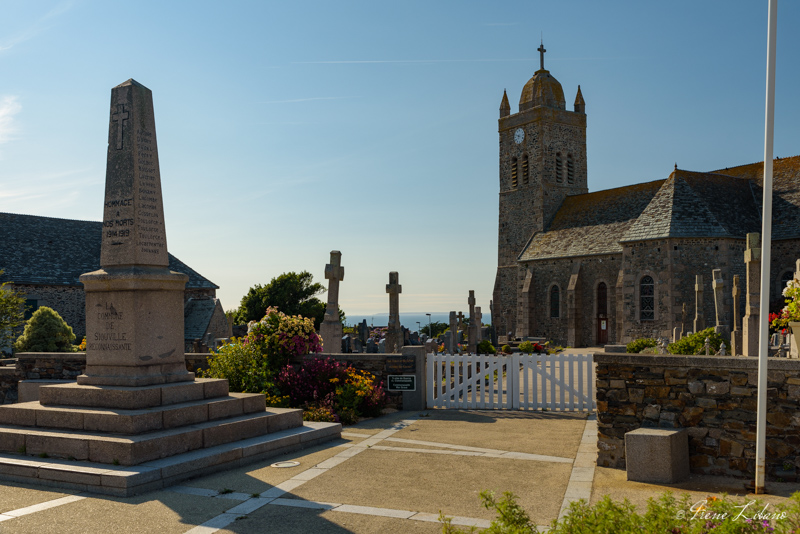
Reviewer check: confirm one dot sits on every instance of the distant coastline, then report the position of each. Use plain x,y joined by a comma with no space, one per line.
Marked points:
409,320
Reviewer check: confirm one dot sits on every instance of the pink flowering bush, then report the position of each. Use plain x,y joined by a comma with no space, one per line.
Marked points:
280,337
251,363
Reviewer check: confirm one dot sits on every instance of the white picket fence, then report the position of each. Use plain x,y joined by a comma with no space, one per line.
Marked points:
556,382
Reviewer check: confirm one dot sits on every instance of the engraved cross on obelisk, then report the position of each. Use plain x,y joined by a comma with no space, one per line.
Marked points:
119,117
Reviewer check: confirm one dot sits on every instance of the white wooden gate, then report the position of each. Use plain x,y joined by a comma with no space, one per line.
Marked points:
557,382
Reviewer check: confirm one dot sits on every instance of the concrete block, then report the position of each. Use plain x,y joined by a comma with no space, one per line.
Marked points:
252,402
57,445
239,428
657,455
19,414
66,419
127,423
283,418
213,387
181,392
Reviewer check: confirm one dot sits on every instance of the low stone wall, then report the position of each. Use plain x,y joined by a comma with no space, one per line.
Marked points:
714,397
50,365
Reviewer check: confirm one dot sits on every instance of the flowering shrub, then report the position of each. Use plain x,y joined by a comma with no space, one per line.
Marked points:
325,383
82,346
280,337
791,311
241,364
530,348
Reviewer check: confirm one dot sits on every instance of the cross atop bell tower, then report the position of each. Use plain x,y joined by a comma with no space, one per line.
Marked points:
541,50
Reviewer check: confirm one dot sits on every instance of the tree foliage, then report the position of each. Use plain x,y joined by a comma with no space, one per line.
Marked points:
292,293
437,327
12,312
45,331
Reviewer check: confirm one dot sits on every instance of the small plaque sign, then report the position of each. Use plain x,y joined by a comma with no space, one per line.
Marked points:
401,364
401,383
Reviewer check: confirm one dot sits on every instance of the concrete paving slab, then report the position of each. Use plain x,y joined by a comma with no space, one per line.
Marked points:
14,496
614,482
551,434
162,512
439,482
293,520
259,477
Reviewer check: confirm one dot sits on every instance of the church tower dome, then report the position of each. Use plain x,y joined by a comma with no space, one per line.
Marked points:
542,90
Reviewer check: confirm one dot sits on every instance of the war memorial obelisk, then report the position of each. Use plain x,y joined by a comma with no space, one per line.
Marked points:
134,303
137,420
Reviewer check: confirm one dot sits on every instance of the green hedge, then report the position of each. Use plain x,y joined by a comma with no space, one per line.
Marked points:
637,345
695,344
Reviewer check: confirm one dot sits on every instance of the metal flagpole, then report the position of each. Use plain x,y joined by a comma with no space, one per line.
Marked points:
766,249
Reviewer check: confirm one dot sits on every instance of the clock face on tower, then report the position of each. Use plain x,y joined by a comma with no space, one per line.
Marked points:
519,135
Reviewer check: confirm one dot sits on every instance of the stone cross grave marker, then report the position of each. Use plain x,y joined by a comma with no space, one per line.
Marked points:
718,284
736,335
479,325
394,334
472,332
752,261
331,328
699,317
453,331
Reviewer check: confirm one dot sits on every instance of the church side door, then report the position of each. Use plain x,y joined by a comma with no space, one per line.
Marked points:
602,314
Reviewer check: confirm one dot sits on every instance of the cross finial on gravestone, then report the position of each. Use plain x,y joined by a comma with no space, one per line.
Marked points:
541,50
460,319
119,117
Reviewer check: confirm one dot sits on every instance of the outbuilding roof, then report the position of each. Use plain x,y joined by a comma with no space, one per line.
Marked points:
49,251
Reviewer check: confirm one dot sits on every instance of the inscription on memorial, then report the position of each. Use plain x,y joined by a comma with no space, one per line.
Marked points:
149,232
110,333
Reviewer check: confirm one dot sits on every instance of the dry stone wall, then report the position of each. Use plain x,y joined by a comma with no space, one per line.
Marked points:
714,397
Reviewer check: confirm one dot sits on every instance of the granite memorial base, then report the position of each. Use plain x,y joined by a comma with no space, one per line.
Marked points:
657,455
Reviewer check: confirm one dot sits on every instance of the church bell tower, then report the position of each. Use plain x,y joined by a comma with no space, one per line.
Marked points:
542,160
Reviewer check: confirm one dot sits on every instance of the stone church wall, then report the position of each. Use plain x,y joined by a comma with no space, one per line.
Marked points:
673,265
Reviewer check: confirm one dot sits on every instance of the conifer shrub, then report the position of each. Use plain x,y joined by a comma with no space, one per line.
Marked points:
695,344
45,331
637,345
486,347
505,349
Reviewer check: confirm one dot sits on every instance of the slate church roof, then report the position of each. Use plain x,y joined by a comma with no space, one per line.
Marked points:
50,251
197,313
723,204
592,223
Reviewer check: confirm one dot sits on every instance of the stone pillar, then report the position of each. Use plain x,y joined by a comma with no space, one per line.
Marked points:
699,317
460,327
453,332
134,303
525,302
416,400
331,328
718,284
752,261
472,332
394,335
574,310
479,323
492,330
736,335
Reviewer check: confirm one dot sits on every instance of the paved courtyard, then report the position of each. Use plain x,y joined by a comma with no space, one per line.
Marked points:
390,474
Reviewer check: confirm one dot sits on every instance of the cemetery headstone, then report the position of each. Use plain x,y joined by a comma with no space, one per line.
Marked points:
736,335
363,331
331,328
357,345
718,284
472,334
450,344
372,347
382,346
699,317
346,344
394,335
479,325
752,261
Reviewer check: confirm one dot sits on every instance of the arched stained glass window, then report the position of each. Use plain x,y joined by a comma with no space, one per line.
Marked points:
555,302
647,299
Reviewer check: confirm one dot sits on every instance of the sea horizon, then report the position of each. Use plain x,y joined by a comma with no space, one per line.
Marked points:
408,320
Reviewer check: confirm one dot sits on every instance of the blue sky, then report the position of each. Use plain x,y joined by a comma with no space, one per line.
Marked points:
287,130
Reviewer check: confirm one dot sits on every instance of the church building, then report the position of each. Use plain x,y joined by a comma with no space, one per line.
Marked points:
587,269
